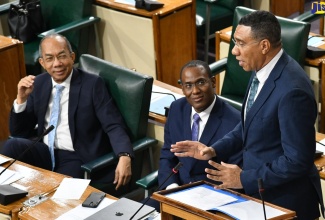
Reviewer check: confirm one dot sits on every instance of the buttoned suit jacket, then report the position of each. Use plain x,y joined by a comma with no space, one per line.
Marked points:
96,125
278,141
223,118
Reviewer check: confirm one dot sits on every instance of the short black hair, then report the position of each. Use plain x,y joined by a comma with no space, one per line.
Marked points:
196,63
264,25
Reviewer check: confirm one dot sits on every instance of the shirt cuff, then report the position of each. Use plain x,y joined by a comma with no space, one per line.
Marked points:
171,186
19,107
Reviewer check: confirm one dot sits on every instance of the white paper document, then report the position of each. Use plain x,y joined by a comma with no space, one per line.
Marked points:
249,210
321,147
202,197
9,176
81,212
4,159
205,197
161,98
71,188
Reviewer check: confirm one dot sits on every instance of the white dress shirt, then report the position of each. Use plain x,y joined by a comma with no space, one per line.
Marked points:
63,138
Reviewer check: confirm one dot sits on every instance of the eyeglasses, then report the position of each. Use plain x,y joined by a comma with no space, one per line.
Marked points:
240,44
198,84
50,59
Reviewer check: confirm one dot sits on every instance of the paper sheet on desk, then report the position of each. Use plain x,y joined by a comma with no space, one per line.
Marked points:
127,2
83,212
250,210
159,101
71,188
321,147
9,176
315,41
4,159
207,198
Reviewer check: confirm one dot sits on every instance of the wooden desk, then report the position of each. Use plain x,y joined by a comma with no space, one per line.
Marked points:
54,208
12,69
157,43
170,208
35,180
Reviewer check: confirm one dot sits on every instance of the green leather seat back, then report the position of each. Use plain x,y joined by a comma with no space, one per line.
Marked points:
130,90
55,14
221,15
294,39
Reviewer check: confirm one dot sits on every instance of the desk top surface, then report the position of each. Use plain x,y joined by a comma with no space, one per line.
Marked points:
169,6
6,42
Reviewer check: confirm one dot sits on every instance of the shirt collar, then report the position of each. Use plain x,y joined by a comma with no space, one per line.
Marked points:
65,83
264,73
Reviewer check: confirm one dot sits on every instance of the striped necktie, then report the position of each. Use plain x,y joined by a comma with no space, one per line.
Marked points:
252,93
195,127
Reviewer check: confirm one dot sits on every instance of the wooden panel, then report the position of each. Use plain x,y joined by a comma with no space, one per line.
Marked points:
176,43
287,7
12,69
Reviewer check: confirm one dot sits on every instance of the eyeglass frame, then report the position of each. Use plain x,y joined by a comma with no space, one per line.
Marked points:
196,84
244,44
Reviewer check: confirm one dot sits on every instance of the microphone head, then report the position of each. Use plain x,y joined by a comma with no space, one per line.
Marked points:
260,184
48,130
176,168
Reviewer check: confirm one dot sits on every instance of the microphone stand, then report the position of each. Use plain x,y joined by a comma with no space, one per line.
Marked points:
261,190
174,171
48,130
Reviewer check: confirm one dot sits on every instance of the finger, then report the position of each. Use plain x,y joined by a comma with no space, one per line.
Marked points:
119,183
215,165
212,172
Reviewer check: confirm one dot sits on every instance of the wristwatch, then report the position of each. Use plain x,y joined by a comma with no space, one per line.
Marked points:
124,154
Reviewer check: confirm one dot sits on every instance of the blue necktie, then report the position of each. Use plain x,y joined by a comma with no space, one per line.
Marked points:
195,127
54,120
252,94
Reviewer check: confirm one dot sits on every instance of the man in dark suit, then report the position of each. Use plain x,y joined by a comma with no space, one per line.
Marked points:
217,118
89,124
277,134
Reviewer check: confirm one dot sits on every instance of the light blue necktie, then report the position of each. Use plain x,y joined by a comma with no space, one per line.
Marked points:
252,94
195,127
54,120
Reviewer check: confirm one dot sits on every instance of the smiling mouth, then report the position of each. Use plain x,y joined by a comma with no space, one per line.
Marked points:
197,99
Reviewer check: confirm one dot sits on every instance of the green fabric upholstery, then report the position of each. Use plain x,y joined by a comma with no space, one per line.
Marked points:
70,18
294,38
132,92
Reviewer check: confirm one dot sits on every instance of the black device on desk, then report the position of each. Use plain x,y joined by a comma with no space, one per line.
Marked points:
93,200
148,4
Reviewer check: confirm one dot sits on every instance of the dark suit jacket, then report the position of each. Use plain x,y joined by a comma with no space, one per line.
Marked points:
95,123
223,118
278,141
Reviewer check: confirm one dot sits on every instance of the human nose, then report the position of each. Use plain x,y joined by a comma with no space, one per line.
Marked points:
195,88
57,61
235,51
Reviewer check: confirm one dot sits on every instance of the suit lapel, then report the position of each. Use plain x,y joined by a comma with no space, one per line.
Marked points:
74,94
43,102
267,89
187,133
213,123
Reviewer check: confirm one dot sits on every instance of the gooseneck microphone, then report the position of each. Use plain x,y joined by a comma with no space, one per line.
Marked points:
174,171
48,130
261,190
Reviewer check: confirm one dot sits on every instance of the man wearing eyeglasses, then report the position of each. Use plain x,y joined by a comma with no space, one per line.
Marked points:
276,133
215,118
